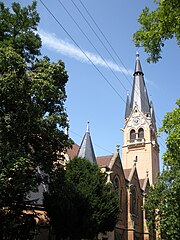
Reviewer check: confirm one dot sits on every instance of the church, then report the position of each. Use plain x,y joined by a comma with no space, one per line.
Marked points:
137,170
132,174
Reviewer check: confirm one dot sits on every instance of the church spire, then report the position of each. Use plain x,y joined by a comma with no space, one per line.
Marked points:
86,148
139,96
138,68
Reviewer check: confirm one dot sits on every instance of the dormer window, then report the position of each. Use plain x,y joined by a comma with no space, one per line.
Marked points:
141,133
132,134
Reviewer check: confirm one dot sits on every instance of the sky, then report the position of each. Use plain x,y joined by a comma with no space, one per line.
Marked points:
94,40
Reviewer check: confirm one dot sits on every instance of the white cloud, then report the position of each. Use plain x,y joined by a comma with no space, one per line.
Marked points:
151,83
68,49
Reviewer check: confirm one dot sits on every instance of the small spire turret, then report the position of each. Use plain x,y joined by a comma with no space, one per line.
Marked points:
86,149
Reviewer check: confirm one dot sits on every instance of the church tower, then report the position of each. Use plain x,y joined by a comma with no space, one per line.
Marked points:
140,140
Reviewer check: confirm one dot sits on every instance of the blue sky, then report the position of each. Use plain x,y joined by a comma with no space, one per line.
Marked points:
97,92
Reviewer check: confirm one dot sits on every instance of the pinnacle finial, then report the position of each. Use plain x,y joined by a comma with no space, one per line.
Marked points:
147,173
87,129
137,54
135,161
117,147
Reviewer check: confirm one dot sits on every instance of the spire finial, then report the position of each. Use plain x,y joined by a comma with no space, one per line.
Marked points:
137,54
87,129
117,147
135,161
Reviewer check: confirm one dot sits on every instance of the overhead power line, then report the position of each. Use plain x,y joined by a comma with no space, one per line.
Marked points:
75,42
110,45
82,51
94,143
104,60
101,40
108,42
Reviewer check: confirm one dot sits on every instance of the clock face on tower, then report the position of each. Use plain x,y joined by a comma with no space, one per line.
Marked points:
136,121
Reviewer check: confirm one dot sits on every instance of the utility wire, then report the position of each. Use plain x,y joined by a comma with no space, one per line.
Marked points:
82,51
94,143
101,40
93,44
106,40
104,60
110,45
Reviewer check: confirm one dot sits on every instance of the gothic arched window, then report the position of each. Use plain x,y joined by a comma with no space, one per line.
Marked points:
133,200
141,133
116,183
121,198
132,134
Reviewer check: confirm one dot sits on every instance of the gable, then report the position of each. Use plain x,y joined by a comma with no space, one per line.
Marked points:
137,119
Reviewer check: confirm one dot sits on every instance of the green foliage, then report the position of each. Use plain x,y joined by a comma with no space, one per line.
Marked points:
32,119
79,203
17,228
17,29
158,26
163,202
32,115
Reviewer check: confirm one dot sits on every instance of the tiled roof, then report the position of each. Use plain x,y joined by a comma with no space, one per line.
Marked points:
141,181
73,151
104,161
127,173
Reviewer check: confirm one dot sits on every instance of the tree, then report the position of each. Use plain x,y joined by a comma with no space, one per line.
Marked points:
158,26
163,201
32,116
18,30
80,204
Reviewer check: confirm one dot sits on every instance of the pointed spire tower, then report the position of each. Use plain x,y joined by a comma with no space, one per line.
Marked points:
86,149
139,95
140,129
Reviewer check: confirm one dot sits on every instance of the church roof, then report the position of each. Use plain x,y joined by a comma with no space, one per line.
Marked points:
139,95
72,152
127,172
141,181
86,149
104,161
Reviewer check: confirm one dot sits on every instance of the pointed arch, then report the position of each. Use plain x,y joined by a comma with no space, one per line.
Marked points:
133,201
141,133
132,134
116,183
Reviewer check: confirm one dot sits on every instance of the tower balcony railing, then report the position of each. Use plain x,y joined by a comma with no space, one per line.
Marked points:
136,141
